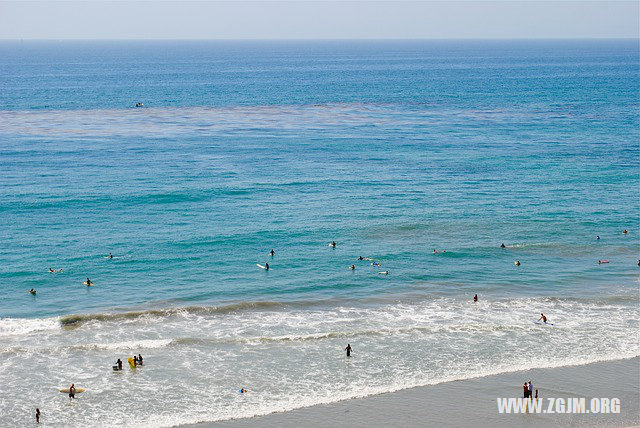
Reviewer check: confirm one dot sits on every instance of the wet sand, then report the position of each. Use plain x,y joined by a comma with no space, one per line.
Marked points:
473,402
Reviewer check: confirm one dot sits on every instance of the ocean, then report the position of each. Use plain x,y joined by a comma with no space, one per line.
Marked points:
389,148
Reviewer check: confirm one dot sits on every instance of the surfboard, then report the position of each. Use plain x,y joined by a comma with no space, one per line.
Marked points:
78,390
88,285
603,261
383,273
262,267
543,323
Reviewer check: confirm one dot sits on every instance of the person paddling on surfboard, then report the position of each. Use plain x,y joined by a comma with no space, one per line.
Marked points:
110,255
353,267
89,281
333,244
543,318
266,266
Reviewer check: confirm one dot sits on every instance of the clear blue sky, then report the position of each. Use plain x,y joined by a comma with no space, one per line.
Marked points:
304,19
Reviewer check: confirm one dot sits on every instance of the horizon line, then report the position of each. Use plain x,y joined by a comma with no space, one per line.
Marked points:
319,39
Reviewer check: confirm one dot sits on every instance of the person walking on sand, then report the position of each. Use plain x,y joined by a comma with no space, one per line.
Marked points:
348,349
37,416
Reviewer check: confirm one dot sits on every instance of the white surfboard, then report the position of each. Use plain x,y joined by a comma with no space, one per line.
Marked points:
262,267
543,323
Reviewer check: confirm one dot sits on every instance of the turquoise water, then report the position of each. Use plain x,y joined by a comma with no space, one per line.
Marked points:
391,149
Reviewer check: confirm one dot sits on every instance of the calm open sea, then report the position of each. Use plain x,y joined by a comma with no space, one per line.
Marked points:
391,149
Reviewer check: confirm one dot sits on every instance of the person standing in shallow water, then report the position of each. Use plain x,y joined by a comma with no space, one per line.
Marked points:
348,349
37,416
475,298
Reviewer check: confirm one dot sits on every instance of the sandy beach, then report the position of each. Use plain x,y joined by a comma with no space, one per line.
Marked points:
473,402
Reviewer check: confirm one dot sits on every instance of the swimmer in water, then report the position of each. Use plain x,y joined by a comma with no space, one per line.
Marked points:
502,245
543,318
517,263
475,298
353,267
272,253
266,266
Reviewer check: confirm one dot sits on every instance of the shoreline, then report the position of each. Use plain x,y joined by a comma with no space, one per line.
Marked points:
473,401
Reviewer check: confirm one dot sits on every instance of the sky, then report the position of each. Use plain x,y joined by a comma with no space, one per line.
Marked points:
311,19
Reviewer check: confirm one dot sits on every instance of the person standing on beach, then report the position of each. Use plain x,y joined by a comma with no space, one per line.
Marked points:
525,390
530,390
37,416
348,349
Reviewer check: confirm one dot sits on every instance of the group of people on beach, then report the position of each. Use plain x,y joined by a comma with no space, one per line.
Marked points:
528,391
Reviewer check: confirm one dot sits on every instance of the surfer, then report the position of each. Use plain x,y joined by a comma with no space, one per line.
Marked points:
119,364
517,263
435,251
139,359
37,416
475,298
272,253
266,266
52,270
353,267
333,244
543,318
348,349
72,391
243,391
638,262
597,237
502,245
110,255
625,231
360,258
89,282
32,291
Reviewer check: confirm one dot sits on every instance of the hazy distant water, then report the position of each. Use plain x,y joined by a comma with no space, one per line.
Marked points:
391,149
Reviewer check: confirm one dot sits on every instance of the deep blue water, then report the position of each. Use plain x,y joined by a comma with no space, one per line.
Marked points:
390,148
